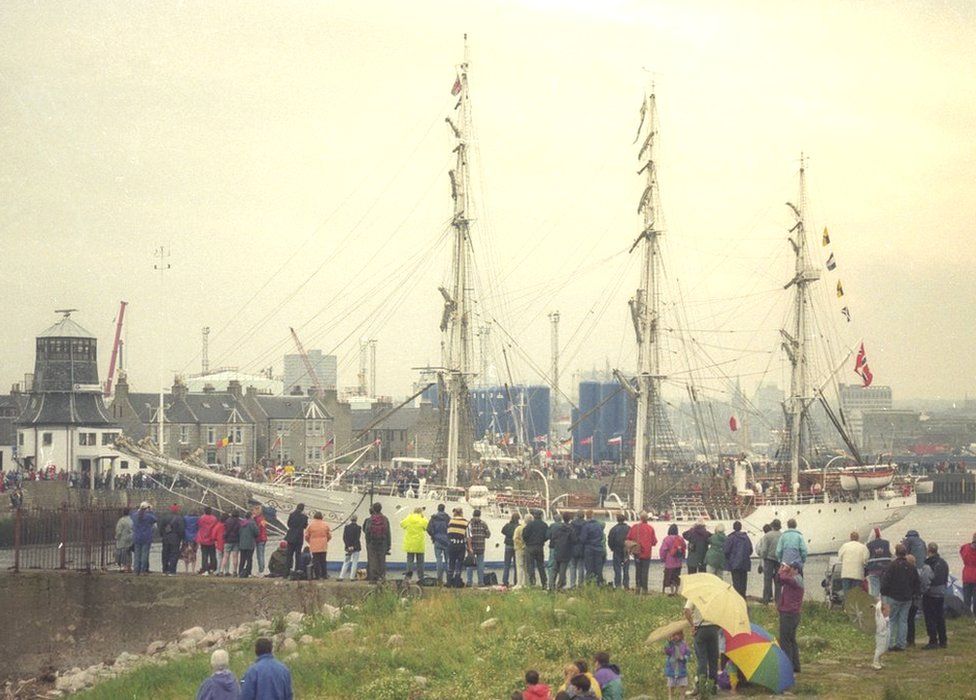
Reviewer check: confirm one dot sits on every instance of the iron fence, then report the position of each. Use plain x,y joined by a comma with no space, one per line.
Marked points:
78,539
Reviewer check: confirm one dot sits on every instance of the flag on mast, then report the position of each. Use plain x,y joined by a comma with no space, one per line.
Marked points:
847,313
587,440
861,368
733,425
840,289
616,440
456,90
826,237
831,263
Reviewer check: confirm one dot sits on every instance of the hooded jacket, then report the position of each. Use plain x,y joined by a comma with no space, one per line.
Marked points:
900,581
593,537
248,536
437,528
643,534
205,525
415,527
879,556
232,530
791,547
673,551
791,598
535,533
738,550
608,677
766,547
616,538
697,539
142,526
940,576
968,554
222,685
715,557
915,546
539,691
190,527
562,541
266,679
123,532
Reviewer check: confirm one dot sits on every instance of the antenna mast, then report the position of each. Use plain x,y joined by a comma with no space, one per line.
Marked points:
205,351
553,376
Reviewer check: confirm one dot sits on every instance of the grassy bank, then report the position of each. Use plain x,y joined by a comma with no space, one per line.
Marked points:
444,643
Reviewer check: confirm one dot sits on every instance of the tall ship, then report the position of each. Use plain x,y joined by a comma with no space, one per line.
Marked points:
827,503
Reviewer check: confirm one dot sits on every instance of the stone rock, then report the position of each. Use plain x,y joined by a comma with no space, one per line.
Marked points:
395,641
344,634
187,644
262,625
155,648
490,624
571,600
291,657
420,681
291,631
294,617
306,639
194,633
812,642
289,646
523,630
331,611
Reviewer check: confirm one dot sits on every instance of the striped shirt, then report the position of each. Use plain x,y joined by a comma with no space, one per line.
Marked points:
457,530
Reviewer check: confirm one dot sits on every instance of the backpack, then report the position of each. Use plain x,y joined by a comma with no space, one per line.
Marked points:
377,528
491,579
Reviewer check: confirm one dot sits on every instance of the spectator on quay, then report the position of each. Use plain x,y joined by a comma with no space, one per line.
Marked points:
229,562
297,522
171,530
562,542
123,542
520,551
535,535
478,534
511,561
143,525
594,548
676,663
267,678
378,537
789,605
317,536
352,545
968,555
247,540
768,563
534,690
853,556
697,538
577,565
933,598
643,534
879,558
279,563
220,530
672,554
899,584
924,578
260,544
621,560
715,556
222,685
205,538
414,541
706,649
437,530
738,557
607,676
915,546
792,546
457,535
188,550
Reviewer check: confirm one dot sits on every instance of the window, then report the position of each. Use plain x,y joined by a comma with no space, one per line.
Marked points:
238,436
88,439
281,428
47,439
211,436
109,438
20,439
124,464
184,434
313,454
211,456
142,465
315,428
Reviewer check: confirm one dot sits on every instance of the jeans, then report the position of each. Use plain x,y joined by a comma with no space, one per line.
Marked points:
788,624
535,560
577,570
479,560
874,585
141,557
558,580
375,562
706,654
771,585
440,556
933,608
621,570
415,563
898,622
259,550
244,568
969,597
847,584
740,580
510,563
171,557
594,566
643,565
208,557
350,564
455,564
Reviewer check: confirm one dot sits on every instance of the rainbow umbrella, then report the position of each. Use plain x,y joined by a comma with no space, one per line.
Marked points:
760,659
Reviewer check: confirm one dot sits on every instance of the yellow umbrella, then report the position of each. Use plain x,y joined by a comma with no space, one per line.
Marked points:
665,631
717,602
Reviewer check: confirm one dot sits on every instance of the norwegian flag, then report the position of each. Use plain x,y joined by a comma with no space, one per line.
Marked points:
587,440
861,368
733,425
456,90
615,440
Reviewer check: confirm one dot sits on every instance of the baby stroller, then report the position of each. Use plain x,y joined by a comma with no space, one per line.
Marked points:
833,590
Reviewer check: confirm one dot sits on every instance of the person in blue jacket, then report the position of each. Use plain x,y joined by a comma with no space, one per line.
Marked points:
792,546
267,678
594,548
143,525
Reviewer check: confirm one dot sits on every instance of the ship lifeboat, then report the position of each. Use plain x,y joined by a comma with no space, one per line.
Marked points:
866,478
924,486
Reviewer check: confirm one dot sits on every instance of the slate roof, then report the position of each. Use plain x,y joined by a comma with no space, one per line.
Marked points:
209,408
404,419
66,408
287,407
65,328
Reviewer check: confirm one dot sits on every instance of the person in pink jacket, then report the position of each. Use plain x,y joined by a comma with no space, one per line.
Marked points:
673,556
205,538
968,554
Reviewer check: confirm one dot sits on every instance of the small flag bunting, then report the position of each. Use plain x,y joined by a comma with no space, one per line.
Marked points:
826,237
847,313
840,289
831,263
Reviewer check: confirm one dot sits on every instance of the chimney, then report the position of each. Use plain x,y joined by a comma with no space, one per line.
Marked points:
234,389
251,392
122,387
179,390
29,382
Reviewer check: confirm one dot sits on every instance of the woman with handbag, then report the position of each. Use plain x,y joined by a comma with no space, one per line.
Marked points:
672,554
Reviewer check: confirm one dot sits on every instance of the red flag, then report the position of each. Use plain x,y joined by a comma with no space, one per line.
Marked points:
377,442
456,90
733,426
587,441
615,440
861,368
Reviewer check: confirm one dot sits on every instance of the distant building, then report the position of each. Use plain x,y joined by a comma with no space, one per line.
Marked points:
855,400
297,379
65,423
518,411
888,431
221,379
410,431
11,407
604,413
296,429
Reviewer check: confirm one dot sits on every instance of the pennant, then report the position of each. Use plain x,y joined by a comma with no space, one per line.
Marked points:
733,425
548,454
840,289
330,441
831,263
615,440
567,441
847,313
377,442
540,438
587,440
223,442
826,237
276,442
456,90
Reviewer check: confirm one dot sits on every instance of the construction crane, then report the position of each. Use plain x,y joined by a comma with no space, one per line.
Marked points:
319,391
115,349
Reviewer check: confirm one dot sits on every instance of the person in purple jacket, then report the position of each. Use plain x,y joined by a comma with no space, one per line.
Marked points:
222,685
789,605
738,553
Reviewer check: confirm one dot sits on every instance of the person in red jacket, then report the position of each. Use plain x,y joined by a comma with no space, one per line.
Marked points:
205,538
534,690
218,534
968,554
257,512
643,534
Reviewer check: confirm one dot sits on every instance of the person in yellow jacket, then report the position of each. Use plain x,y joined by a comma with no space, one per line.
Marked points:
415,541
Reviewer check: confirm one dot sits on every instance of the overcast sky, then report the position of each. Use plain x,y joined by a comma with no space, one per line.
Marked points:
293,158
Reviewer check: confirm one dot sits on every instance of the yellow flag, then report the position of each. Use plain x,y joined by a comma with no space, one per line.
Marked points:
840,289
826,237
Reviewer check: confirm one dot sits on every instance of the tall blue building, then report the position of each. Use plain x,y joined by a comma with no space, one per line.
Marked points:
496,409
599,425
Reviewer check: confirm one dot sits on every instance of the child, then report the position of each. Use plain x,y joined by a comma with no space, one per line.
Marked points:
534,690
728,677
676,665
881,613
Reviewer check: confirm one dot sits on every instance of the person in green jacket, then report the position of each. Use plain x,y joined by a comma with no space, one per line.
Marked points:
247,543
715,556
415,541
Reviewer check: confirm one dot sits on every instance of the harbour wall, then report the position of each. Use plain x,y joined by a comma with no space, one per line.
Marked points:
951,488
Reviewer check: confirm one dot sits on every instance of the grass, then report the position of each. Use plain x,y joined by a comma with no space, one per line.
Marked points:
444,643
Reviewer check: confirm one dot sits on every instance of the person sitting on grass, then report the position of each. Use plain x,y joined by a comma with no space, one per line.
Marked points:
676,664
534,690
222,685
576,669
608,677
582,688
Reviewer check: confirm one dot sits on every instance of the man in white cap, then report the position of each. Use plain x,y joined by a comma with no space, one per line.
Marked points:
143,524
222,685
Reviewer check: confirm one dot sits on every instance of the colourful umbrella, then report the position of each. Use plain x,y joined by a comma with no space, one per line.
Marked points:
759,657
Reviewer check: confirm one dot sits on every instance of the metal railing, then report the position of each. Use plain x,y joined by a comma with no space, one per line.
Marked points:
77,539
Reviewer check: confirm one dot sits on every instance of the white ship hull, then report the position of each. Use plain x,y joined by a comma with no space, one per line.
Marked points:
825,525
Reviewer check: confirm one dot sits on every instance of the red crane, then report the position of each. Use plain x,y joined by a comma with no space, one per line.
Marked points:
115,349
319,391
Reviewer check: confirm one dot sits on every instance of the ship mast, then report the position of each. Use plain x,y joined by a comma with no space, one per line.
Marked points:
456,326
795,340
645,308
